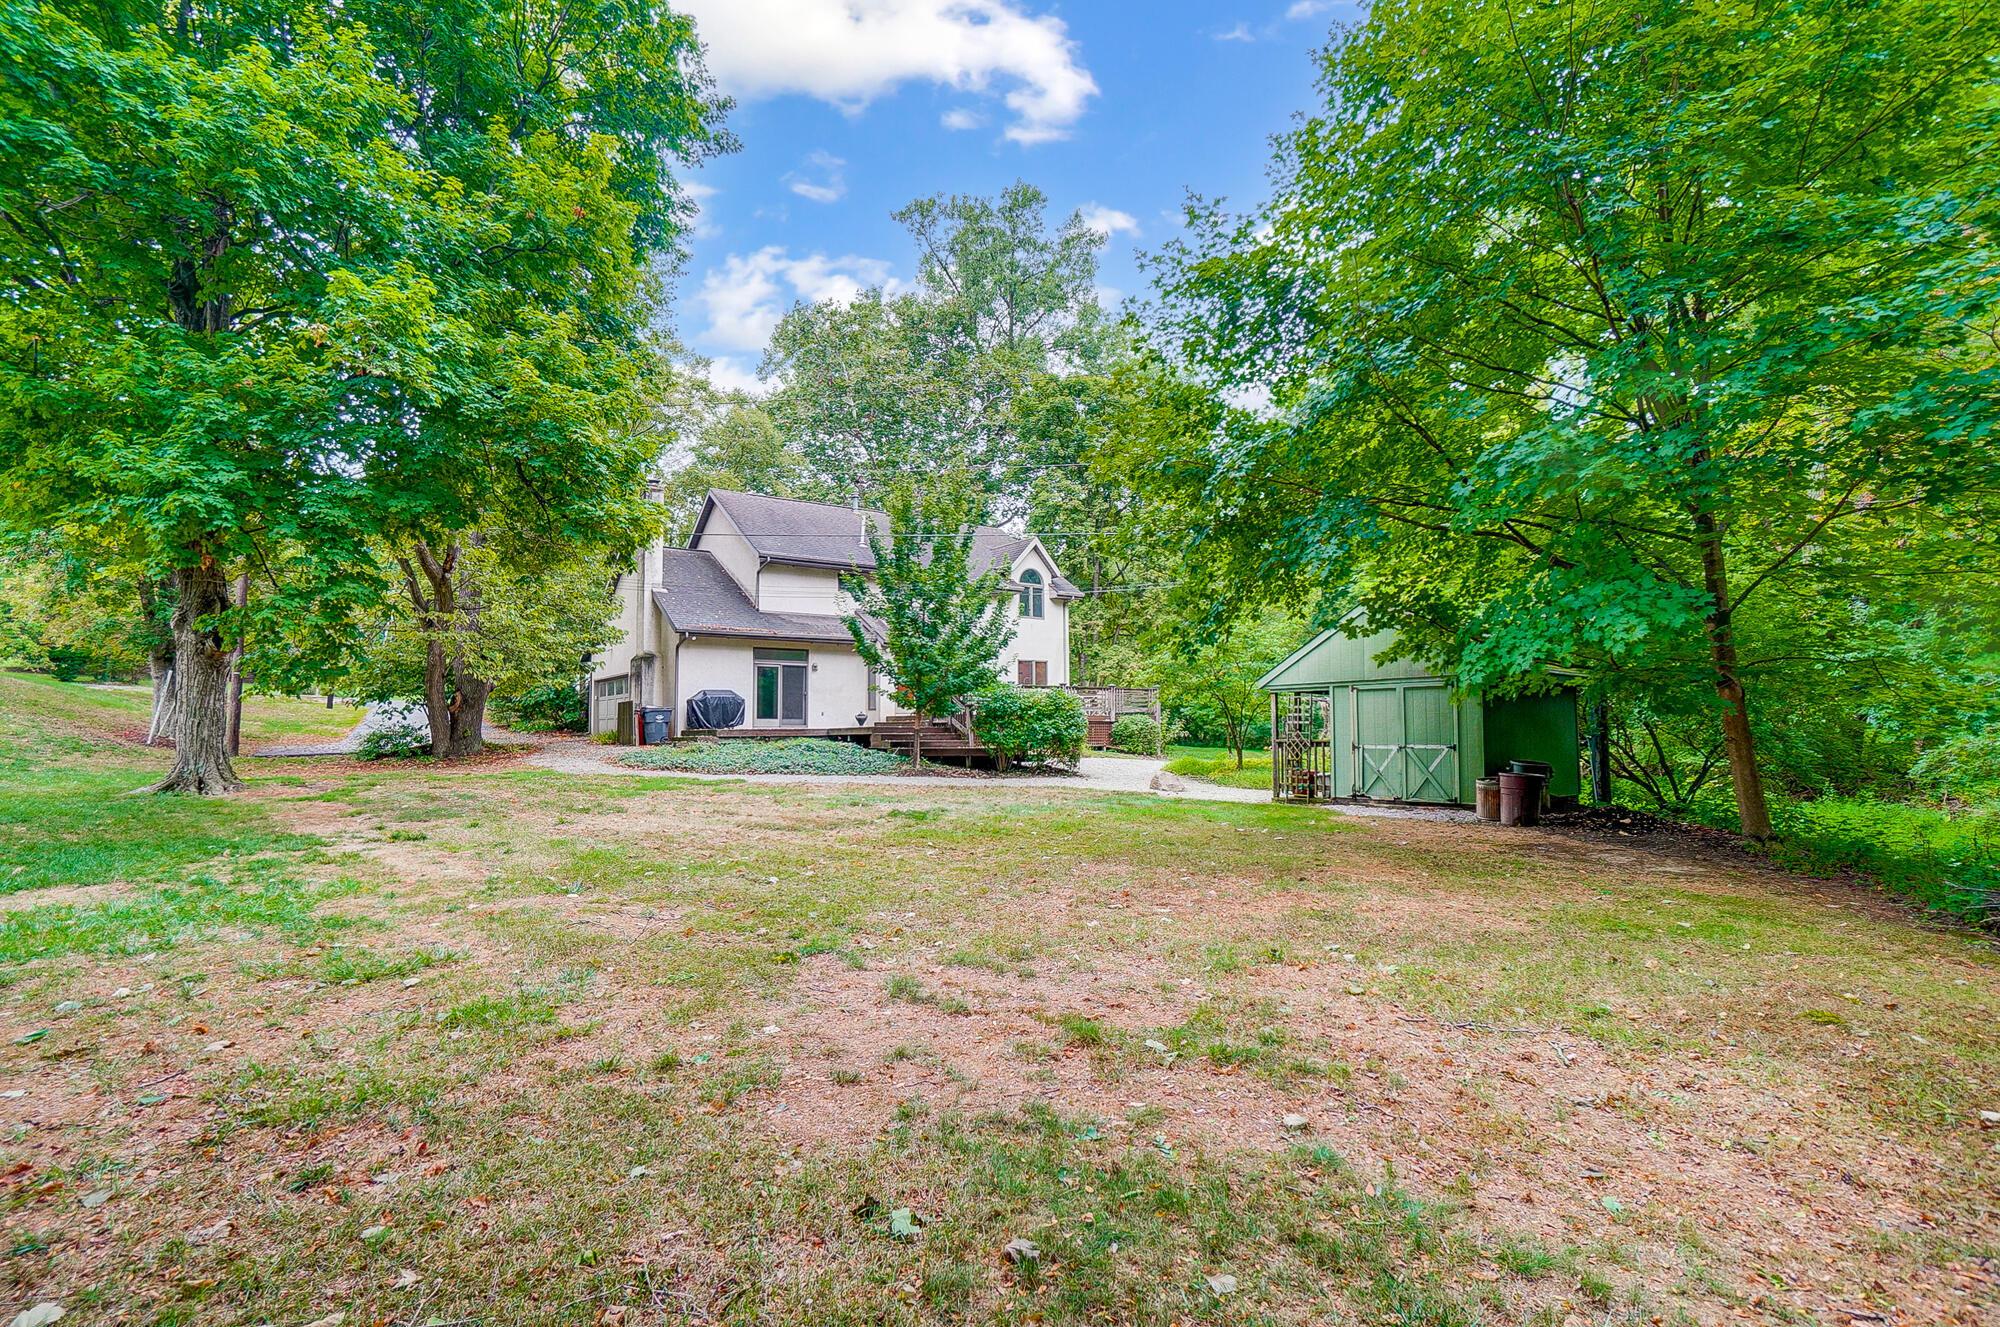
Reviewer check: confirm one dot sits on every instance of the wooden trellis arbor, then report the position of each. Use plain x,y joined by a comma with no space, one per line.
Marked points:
1301,747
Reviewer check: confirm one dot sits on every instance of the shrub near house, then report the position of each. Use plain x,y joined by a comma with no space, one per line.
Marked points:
1138,734
1031,725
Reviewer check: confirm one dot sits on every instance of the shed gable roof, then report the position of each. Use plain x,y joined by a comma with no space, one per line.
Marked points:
1335,657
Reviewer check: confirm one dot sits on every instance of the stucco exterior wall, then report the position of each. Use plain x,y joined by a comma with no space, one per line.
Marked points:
615,660
1045,638
782,589
836,685
721,537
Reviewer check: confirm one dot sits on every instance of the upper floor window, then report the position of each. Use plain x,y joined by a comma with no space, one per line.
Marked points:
1031,593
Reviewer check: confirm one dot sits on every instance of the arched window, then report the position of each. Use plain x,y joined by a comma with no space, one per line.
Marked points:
1031,593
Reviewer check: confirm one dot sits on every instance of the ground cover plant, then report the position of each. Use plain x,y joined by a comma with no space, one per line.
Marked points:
794,755
415,1044
399,739
1947,860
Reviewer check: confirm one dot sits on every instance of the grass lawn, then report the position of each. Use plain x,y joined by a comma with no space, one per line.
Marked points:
126,709
1218,765
505,1046
295,720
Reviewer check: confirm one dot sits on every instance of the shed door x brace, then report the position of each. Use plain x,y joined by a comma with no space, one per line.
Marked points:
1405,742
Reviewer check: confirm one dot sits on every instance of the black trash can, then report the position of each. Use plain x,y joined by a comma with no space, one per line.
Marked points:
656,724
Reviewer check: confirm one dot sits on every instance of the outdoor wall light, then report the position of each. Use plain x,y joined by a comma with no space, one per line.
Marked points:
860,721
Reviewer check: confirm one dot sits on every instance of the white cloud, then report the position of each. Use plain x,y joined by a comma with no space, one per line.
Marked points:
699,226
1304,9
850,52
961,117
746,296
1241,32
1107,221
826,184
727,374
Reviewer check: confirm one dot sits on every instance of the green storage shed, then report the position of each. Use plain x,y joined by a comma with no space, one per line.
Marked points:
1345,726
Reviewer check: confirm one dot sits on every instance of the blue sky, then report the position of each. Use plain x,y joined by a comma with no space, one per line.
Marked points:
847,109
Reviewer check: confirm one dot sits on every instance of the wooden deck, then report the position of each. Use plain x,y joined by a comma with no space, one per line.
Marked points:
1102,707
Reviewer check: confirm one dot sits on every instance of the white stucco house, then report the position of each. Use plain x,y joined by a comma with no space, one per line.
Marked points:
753,605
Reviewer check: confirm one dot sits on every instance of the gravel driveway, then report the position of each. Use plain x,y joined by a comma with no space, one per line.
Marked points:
1099,774
1106,774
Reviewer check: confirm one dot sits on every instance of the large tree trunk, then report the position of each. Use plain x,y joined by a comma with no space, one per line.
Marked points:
454,699
240,595
469,692
159,658
467,734
437,700
160,665
1752,813
201,677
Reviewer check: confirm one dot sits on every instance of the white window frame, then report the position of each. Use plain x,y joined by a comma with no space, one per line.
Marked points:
1032,602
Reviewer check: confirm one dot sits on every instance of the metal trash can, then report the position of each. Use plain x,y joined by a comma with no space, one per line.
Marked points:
656,724
1488,798
1541,769
1521,798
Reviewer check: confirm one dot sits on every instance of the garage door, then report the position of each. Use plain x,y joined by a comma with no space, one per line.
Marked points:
1405,743
605,696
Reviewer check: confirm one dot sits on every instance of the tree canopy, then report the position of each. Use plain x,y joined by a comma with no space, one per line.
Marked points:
294,288
1649,338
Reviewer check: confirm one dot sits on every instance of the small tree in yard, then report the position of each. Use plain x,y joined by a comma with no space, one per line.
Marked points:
1220,670
925,621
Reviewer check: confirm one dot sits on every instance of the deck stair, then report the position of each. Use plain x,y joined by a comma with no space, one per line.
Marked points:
943,741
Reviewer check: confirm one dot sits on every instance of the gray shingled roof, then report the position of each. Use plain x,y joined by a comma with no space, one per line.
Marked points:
820,534
825,534
700,598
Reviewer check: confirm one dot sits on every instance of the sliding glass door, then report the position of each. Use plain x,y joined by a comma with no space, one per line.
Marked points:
781,688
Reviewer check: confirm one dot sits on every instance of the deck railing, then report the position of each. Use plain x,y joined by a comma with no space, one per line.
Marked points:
1113,702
